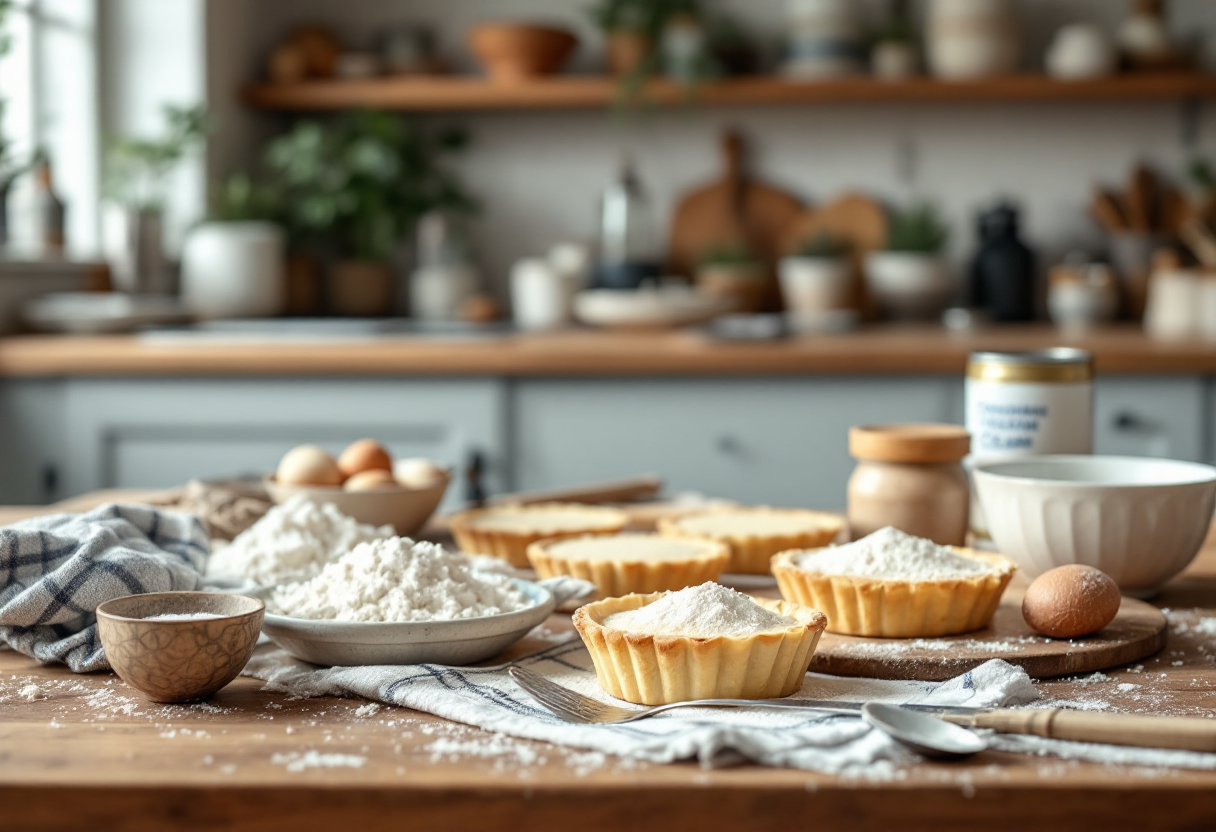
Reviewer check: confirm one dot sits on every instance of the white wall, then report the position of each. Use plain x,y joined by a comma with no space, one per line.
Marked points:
538,174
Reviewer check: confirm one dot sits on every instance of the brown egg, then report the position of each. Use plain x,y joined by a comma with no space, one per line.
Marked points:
372,479
417,473
308,465
1071,601
364,455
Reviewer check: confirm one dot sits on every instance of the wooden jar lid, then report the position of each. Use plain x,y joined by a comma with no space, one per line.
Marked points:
923,443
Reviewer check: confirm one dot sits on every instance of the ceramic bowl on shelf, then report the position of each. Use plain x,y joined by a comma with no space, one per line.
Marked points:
909,285
512,52
405,509
179,646
1138,519
666,307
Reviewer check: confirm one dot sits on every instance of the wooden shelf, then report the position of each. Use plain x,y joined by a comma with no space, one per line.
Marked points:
584,92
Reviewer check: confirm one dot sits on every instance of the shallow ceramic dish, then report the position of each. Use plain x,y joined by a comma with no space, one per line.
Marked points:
1139,520
661,308
405,509
179,660
460,642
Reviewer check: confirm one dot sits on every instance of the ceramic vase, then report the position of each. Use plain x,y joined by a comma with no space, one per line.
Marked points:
234,270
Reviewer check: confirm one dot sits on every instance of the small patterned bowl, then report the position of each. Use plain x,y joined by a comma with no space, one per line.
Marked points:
201,647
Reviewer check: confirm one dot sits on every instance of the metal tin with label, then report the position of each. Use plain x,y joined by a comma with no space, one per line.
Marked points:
1029,403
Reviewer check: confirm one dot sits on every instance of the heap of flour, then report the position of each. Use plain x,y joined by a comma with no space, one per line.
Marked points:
892,554
293,542
397,579
704,611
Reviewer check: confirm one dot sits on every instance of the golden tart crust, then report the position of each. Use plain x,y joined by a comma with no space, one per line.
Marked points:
625,563
752,550
889,608
656,670
507,531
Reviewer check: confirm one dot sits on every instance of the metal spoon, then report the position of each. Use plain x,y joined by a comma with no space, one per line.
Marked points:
923,733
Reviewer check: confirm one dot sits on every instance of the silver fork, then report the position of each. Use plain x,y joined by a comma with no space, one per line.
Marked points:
574,707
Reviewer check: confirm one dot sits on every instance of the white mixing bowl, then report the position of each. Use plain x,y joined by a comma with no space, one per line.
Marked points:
1139,520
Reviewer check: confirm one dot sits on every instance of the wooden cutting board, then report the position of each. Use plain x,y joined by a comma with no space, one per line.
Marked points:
1138,631
735,210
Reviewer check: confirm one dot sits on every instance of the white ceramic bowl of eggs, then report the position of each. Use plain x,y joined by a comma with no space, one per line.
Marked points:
1139,520
364,482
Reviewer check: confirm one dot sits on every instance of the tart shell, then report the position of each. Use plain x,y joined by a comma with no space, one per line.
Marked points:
622,575
512,544
880,608
657,670
751,553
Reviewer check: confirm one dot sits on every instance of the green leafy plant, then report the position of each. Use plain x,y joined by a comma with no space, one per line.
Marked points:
897,25
825,244
729,254
241,199
136,169
363,180
920,229
1201,173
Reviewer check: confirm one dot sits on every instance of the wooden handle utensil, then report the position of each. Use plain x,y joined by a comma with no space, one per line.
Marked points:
621,491
1106,210
1178,733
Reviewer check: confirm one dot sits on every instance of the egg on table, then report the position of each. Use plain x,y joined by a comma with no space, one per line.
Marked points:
1071,601
308,465
417,472
365,455
372,479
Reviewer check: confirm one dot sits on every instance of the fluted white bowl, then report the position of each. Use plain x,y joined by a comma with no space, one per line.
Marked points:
1139,520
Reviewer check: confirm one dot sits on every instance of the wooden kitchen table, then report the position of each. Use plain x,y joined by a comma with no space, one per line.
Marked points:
87,753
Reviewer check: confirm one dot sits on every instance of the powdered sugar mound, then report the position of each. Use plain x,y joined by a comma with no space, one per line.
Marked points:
398,580
890,553
703,611
293,542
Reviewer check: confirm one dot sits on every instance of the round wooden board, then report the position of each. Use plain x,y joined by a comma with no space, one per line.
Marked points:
1137,631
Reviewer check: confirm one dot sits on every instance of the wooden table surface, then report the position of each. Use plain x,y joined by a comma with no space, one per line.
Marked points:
876,350
87,752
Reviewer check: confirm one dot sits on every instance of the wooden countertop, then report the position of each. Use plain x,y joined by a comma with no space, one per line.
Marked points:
877,350
93,755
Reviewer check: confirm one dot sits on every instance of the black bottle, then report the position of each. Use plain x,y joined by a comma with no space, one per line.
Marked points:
1002,273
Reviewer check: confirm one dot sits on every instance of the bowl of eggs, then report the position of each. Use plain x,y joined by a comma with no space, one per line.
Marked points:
363,482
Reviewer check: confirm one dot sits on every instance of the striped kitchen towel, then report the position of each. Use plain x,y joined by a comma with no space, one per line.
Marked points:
56,569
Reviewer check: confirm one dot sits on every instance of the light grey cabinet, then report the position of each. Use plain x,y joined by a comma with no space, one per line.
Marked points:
1145,416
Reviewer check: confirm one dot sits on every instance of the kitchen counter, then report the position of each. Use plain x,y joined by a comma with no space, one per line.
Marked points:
93,755
877,350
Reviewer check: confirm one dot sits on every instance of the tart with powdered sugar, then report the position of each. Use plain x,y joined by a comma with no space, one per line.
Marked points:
507,531
893,585
625,563
702,642
755,534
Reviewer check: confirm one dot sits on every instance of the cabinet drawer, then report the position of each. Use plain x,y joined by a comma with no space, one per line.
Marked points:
1150,417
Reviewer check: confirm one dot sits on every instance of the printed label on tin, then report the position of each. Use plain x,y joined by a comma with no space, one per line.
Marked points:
1012,420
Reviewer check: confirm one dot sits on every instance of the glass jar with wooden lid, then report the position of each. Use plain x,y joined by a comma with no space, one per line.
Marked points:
911,477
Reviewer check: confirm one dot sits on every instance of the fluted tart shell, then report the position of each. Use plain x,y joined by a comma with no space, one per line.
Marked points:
622,566
507,531
752,551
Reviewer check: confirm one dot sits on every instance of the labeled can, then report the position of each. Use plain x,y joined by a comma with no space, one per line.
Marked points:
1030,403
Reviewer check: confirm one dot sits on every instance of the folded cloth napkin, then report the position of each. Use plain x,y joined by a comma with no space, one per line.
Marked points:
489,699
56,569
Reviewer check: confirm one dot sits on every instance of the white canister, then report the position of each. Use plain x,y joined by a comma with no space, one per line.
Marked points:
234,269
437,291
1030,403
972,39
812,285
541,296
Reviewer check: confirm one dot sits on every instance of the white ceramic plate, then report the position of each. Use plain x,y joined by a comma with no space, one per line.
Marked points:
92,313
661,308
460,642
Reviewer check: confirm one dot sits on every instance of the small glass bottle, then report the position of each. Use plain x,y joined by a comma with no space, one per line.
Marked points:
628,254
910,477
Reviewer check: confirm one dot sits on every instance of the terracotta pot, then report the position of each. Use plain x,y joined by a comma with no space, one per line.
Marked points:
512,52
627,51
303,285
744,284
360,288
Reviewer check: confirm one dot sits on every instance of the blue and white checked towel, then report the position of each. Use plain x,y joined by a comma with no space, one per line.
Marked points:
55,570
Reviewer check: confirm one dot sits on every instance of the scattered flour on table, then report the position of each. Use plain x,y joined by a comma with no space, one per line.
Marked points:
701,611
293,542
890,553
31,693
183,616
297,762
397,579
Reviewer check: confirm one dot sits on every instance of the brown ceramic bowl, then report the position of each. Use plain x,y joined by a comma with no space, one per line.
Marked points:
405,509
185,659
517,51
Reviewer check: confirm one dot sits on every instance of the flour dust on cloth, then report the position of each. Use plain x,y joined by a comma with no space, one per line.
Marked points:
55,570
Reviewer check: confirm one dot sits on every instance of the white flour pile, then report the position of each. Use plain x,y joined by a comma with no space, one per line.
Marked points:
701,611
183,616
889,553
293,542
398,580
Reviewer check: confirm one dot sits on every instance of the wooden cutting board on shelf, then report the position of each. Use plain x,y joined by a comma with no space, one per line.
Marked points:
1138,631
736,210
853,217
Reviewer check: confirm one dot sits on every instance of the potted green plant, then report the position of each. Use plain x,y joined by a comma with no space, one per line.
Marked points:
359,184
136,176
893,55
818,277
631,31
911,279
732,271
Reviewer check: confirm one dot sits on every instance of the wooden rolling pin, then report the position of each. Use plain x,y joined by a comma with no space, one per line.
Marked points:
1179,733
621,491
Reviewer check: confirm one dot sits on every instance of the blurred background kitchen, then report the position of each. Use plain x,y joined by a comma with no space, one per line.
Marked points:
551,242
